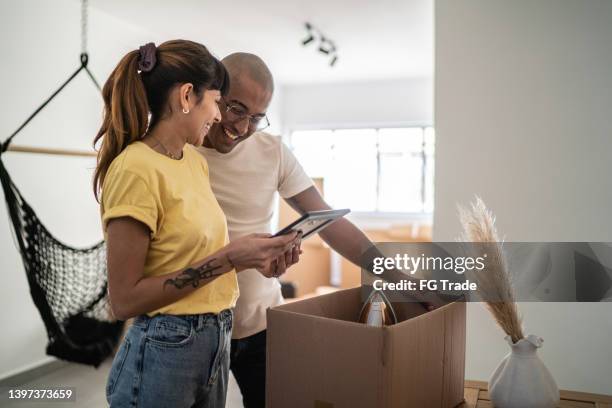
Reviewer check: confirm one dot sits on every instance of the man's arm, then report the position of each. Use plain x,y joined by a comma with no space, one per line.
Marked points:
342,235
346,239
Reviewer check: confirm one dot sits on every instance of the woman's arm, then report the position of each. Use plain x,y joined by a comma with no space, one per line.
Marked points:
132,294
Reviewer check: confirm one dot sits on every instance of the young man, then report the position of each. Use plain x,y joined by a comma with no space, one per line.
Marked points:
247,169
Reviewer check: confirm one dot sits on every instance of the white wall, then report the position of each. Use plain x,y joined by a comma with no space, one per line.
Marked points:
274,112
40,49
522,112
358,104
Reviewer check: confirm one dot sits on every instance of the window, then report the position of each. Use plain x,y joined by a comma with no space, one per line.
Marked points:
371,170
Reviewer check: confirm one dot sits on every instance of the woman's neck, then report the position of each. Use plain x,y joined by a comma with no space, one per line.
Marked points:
164,139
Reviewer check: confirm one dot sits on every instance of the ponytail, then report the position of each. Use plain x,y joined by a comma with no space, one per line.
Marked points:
125,115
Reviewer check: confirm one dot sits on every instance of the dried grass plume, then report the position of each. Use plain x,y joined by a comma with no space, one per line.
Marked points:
494,284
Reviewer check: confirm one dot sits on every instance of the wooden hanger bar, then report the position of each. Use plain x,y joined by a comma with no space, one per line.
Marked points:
44,150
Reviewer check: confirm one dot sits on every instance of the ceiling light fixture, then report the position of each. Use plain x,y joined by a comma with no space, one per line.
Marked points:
326,46
308,40
310,37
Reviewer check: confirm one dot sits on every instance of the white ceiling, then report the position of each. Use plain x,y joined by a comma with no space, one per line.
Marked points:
382,39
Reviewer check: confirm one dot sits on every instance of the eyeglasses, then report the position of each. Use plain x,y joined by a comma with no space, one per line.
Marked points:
237,113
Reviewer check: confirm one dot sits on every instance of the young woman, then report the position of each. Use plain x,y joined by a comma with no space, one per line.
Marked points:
169,261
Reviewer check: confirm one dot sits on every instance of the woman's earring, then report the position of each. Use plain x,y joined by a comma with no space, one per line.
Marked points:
185,111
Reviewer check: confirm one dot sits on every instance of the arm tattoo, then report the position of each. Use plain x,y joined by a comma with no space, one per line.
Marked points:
192,276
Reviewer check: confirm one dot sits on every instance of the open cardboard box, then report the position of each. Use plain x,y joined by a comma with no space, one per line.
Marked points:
320,356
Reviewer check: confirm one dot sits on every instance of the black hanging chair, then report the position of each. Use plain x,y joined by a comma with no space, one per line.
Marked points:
68,285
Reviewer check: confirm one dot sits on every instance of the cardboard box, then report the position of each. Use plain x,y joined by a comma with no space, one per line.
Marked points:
319,356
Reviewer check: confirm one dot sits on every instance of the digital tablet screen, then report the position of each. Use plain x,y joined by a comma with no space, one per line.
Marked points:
313,222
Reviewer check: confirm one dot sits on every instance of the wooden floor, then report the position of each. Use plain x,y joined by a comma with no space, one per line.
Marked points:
477,396
88,384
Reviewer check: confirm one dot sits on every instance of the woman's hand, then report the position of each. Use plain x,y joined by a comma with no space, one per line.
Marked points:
283,262
262,252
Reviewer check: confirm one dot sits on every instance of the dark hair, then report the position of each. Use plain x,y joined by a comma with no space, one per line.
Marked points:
131,96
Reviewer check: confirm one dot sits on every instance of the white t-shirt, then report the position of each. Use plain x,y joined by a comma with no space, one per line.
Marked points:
246,182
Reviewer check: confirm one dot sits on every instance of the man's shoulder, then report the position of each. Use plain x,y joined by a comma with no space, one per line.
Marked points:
265,139
261,145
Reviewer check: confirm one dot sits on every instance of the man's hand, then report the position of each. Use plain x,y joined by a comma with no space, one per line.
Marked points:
428,299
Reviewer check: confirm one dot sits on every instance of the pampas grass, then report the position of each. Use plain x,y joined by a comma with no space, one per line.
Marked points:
494,284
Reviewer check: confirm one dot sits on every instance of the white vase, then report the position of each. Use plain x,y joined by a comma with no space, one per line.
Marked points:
522,380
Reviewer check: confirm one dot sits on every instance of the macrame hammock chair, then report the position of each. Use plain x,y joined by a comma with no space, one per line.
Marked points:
68,285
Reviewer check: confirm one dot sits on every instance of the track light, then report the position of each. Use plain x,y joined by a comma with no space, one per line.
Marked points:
310,37
308,40
326,46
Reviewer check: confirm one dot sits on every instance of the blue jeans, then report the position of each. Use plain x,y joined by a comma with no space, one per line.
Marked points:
172,361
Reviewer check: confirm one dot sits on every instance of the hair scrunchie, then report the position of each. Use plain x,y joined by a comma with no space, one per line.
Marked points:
147,59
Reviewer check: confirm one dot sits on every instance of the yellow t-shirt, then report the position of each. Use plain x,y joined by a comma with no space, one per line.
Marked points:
174,199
